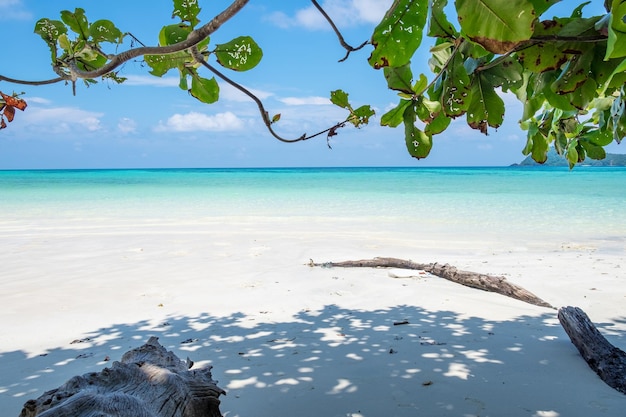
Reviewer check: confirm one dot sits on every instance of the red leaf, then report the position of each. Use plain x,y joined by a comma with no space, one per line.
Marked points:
13,101
2,123
9,112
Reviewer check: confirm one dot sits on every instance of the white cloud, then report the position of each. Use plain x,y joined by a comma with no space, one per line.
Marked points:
63,119
127,125
230,93
304,101
151,80
13,10
194,121
342,12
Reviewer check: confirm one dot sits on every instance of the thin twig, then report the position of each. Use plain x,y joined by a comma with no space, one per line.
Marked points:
349,48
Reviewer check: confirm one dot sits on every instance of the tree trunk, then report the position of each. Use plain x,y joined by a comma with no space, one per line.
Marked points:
484,282
148,382
608,361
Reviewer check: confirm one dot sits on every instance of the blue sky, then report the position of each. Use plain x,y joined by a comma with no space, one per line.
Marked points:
150,122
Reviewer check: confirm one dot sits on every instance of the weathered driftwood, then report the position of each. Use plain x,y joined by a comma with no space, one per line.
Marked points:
608,361
497,284
148,382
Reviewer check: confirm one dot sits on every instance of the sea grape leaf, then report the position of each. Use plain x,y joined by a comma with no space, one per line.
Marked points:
399,78
105,31
205,89
485,108
574,73
498,25
592,150
399,34
361,115
240,54
77,22
187,11
172,34
161,64
456,87
616,45
340,98
507,74
395,116
439,26
50,30
418,142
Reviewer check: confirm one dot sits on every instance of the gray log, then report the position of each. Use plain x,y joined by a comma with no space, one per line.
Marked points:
490,283
148,382
608,361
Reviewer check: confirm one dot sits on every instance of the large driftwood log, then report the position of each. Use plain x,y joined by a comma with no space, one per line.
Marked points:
608,361
148,382
484,282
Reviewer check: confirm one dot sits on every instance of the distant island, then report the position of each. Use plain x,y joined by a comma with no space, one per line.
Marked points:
556,160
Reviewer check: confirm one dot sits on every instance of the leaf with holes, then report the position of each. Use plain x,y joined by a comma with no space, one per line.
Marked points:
399,34
187,11
240,54
77,22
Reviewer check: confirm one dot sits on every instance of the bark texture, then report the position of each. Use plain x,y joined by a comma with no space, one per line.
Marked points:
148,382
608,361
491,283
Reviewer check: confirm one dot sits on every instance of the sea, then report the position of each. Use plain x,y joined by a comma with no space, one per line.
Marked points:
535,201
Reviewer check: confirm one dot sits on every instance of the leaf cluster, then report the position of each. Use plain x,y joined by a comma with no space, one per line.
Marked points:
569,72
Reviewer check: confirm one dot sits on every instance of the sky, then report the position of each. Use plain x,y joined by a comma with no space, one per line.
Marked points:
149,122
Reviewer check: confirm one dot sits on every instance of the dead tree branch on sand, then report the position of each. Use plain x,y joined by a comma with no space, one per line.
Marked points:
484,282
148,382
608,361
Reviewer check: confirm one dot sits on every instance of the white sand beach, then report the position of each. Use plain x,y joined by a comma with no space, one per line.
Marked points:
286,339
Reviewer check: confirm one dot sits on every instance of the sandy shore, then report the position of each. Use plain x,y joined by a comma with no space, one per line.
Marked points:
286,339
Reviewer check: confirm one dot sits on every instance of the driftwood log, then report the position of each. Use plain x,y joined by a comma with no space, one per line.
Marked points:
608,361
491,283
148,382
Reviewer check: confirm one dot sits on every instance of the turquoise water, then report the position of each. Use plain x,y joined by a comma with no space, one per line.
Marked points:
550,200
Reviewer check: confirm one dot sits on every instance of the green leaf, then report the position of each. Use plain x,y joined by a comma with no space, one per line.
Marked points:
616,46
592,150
361,115
456,88
50,30
507,74
574,73
161,64
205,90
105,31
399,34
418,142
187,11
439,26
498,25
399,78
77,22
340,98
173,34
439,124
486,108
395,116
240,54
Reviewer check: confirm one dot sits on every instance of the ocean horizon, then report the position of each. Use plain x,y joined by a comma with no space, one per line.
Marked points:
452,200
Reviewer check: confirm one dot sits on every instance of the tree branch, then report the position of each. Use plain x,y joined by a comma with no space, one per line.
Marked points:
342,41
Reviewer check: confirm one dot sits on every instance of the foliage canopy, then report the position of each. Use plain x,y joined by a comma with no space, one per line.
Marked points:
569,72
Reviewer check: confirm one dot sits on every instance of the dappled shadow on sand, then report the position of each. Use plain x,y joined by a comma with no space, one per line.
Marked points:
400,361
